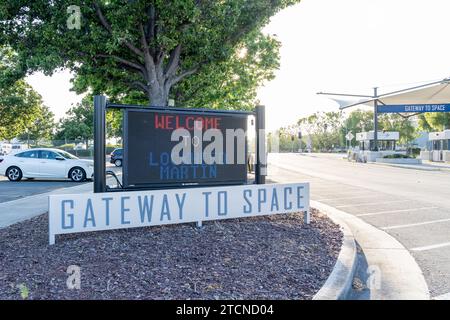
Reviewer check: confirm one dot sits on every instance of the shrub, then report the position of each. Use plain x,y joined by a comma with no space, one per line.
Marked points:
397,156
415,152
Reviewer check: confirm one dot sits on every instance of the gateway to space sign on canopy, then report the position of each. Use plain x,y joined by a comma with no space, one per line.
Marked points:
415,108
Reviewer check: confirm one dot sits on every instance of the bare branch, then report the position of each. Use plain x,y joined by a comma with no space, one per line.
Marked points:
123,61
183,75
144,43
174,61
151,25
140,85
108,27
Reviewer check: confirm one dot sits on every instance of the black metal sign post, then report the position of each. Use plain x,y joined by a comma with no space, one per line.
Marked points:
261,155
143,127
99,144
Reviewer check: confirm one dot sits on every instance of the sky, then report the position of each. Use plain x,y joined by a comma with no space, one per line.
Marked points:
345,46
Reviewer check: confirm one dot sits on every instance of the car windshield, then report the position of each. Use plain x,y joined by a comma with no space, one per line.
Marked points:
67,155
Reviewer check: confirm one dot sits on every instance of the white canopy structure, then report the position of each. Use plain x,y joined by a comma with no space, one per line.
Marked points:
434,93
430,97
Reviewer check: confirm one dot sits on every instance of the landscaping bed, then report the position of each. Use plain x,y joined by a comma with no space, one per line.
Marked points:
275,257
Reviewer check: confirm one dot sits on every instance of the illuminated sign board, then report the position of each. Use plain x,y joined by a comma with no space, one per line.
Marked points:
179,148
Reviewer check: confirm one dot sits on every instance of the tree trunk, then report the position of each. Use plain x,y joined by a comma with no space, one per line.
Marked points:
158,97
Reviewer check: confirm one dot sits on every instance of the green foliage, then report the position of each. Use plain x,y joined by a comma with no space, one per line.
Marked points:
232,84
357,121
324,129
434,121
140,50
42,127
78,123
327,130
288,140
24,291
21,107
395,122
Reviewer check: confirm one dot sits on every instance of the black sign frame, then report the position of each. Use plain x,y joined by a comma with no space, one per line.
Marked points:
101,105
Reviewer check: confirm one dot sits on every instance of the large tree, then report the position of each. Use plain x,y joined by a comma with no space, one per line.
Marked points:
42,127
323,128
21,107
434,121
151,46
78,124
396,122
357,121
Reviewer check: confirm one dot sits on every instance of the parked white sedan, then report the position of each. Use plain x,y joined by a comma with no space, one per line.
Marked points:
46,163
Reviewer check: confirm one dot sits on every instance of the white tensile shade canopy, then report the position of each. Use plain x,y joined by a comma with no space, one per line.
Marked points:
432,93
435,94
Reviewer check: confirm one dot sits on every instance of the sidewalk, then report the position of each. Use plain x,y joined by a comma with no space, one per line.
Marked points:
425,166
25,208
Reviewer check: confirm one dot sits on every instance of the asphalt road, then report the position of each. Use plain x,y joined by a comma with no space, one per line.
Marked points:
411,205
10,191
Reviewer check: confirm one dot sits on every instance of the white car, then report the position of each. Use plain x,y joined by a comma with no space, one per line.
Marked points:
46,163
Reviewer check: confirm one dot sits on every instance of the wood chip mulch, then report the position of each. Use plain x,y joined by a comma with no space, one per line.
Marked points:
275,257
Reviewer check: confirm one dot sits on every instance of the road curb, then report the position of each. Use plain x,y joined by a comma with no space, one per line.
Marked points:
339,282
399,277
410,167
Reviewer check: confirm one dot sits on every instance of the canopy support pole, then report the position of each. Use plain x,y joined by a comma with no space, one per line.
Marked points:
375,119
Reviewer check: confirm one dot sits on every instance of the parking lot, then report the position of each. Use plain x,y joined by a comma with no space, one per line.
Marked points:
15,190
10,191
411,205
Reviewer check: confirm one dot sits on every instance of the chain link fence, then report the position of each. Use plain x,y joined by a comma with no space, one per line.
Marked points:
79,148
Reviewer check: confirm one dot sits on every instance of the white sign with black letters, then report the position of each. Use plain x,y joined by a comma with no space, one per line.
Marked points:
119,210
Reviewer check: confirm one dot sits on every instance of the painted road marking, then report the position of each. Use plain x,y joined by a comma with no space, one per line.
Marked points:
394,211
445,296
346,193
370,203
415,224
434,246
348,198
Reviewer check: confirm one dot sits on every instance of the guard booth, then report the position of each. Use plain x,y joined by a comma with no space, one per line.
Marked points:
433,97
439,147
386,144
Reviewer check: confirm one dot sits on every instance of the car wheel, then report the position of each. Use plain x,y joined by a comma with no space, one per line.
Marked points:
118,163
14,174
77,174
